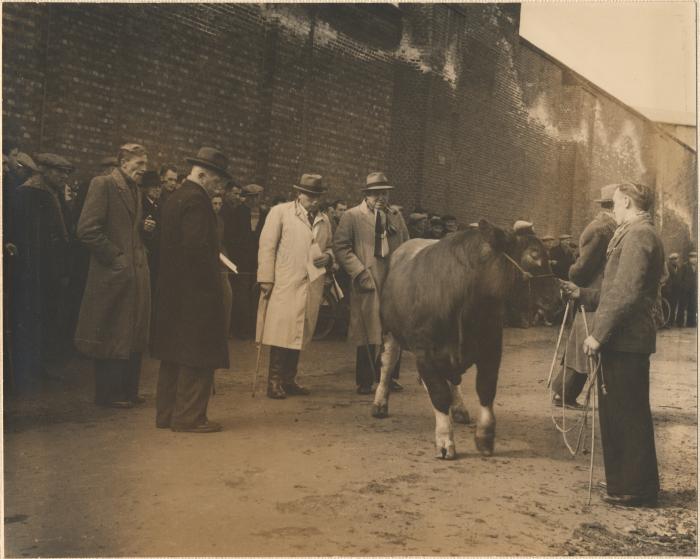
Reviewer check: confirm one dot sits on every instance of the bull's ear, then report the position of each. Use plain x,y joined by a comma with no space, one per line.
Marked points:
496,237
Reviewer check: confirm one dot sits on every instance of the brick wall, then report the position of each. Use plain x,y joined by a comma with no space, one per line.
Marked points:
464,115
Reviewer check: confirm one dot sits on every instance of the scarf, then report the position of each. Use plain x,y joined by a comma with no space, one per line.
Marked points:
639,217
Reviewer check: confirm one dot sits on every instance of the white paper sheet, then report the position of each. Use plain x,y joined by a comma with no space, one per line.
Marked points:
226,262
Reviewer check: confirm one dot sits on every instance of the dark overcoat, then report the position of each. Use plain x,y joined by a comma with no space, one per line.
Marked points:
587,271
189,324
115,312
625,301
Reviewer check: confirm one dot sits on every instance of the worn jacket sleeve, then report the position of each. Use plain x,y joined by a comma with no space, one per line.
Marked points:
591,258
626,291
269,241
92,225
343,247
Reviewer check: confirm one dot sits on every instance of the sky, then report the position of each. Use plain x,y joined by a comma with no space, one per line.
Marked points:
641,52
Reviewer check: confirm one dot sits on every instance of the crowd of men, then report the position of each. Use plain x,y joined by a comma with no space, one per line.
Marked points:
137,260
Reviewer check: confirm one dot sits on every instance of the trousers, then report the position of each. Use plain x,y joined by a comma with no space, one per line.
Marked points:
182,395
117,380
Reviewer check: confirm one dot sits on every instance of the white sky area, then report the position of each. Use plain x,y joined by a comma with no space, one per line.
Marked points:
643,53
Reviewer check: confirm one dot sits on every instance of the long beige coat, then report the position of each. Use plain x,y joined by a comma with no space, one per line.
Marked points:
353,245
283,254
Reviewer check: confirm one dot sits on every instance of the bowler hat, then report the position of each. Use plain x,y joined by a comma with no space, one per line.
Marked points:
54,161
377,181
606,193
251,190
311,184
211,158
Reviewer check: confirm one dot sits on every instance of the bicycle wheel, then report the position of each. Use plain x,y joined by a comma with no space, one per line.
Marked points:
327,315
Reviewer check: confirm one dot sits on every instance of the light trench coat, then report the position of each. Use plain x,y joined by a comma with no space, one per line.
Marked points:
285,243
353,244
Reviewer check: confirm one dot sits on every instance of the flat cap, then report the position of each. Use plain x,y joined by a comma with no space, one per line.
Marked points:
436,219
692,253
417,216
136,149
54,161
522,226
252,190
564,237
25,161
547,238
674,255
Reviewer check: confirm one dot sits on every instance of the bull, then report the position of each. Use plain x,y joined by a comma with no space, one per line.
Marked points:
443,301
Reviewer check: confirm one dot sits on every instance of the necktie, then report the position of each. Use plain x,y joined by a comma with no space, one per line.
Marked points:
312,216
378,231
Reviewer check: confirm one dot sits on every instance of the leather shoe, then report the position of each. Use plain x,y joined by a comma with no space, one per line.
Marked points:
631,500
394,386
294,389
206,427
572,405
364,390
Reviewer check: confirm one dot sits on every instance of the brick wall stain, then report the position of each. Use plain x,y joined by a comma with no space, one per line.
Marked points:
465,116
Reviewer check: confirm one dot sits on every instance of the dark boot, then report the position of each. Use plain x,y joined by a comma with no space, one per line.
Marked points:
289,384
274,377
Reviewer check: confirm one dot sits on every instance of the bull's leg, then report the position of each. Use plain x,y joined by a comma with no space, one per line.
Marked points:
458,409
441,398
486,381
390,355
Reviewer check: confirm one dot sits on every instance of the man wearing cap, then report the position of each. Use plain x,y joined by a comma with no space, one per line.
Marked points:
623,337
450,222
115,312
168,181
295,251
671,289
437,228
366,237
189,324
587,271
689,290
417,224
42,237
241,234
518,303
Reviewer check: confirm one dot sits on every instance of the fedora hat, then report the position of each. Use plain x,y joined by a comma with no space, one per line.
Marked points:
211,158
311,184
606,193
377,181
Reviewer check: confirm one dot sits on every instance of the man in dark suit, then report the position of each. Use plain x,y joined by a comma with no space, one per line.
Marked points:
115,312
587,271
42,237
689,291
624,336
188,335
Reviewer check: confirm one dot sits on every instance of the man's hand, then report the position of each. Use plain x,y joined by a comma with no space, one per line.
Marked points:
364,282
570,289
266,289
322,261
149,225
591,346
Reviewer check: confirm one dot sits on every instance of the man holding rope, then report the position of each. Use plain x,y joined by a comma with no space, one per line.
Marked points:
623,337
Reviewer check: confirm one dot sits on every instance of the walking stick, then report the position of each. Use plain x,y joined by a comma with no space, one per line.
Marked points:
556,349
264,300
594,381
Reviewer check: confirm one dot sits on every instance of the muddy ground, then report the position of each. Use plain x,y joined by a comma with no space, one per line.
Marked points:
318,476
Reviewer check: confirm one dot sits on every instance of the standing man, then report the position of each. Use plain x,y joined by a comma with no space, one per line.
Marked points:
168,181
115,311
624,335
366,237
689,287
417,224
189,336
42,238
587,271
295,238
672,289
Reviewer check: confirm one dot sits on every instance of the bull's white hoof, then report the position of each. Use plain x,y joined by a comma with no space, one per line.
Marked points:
484,439
461,415
380,411
446,452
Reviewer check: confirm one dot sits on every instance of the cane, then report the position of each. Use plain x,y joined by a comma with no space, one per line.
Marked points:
594,383
556,349
264,300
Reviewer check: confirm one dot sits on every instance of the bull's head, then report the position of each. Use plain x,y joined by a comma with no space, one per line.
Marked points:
529,258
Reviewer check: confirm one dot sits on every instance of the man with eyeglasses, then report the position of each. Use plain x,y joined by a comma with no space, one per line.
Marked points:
623,337
42,237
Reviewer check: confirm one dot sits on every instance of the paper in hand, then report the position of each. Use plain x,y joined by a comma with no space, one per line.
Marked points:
226,262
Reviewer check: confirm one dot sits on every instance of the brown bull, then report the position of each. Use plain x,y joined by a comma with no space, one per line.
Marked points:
443,301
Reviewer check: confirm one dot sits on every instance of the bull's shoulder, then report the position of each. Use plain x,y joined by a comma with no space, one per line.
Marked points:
410,248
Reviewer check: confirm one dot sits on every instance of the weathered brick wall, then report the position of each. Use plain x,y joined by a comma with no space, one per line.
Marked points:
464,115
